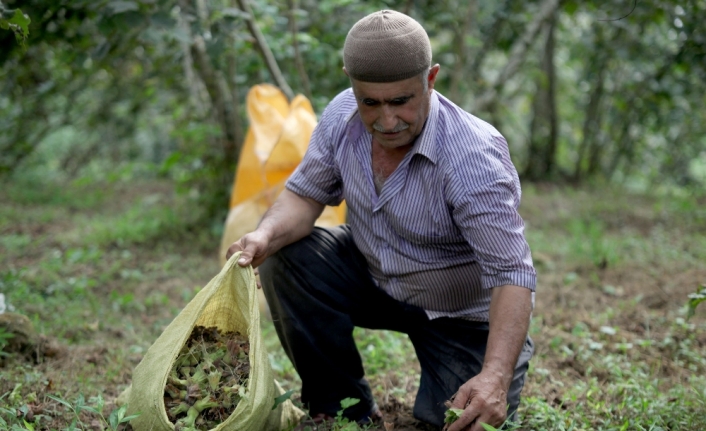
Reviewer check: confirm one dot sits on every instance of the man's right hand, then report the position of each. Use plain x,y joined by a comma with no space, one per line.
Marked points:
254,249
290,219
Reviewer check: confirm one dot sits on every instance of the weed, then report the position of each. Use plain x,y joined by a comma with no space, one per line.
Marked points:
4,337
95,407
694,300
143,223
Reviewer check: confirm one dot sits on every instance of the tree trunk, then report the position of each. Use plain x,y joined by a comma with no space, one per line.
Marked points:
541,159
222,106
235,97
265,50
492,32
295,44
593,119
461,52
197,92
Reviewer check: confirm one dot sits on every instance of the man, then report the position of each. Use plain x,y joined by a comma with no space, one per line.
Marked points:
434,246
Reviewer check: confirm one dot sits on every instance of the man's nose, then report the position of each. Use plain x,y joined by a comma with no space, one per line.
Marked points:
388,117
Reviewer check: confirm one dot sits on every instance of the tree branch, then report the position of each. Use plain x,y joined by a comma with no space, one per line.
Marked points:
215,85
459,46
234,95
297,55
492,31
518,53
265,50
197,92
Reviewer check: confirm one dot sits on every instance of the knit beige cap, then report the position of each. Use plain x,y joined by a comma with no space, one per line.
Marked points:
386,46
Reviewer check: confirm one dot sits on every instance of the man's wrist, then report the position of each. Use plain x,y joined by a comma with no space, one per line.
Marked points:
498,373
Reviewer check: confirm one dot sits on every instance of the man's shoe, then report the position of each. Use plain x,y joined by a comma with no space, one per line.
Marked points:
375,416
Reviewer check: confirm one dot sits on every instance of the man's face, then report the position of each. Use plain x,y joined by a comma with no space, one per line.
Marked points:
394,112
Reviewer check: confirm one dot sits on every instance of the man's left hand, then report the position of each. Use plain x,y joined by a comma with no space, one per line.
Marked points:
484,399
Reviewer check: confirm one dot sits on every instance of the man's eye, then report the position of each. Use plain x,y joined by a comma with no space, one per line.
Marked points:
369,102
400,101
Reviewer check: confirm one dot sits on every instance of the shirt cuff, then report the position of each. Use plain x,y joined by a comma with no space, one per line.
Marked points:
522,279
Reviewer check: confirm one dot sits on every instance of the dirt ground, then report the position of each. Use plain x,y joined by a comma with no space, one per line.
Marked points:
97,354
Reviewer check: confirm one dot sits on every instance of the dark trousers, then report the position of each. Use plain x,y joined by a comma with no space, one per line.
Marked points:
319,289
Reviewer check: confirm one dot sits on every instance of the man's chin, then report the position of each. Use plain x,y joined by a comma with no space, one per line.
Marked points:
391,141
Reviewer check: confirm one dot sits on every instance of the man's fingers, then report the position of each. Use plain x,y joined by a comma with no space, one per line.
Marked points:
244,260
234,248
461,398
257,278
468,418
247,252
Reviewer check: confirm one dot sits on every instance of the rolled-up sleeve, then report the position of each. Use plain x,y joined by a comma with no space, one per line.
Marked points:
485,201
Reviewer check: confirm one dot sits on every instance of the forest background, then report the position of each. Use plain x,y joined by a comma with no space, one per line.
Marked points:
121,124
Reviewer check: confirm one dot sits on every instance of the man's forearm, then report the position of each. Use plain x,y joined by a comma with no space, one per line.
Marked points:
510,310
289,219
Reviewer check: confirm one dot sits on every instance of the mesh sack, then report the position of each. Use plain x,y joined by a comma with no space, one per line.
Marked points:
229,302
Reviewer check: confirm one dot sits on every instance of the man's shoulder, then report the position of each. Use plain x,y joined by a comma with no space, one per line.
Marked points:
342,106
456,119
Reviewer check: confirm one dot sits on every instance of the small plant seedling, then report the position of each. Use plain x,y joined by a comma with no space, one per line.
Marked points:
695,299
282,398
452,415
341,423
115,418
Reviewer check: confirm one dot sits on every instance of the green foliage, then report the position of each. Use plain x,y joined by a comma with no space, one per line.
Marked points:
452,415
15,20
102,77
382,351
282,398
589,240
4,337
94,406
694,300
143,223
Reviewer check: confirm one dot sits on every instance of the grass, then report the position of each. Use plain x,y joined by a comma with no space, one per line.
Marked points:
101,269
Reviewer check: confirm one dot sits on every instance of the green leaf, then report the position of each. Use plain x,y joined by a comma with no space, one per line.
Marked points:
282,398
21,20
129,418
114,419
72,425
487,427
349,402
694,300
89,409
59,400
452,415
570,7
234,12
120,6
99,402
18,22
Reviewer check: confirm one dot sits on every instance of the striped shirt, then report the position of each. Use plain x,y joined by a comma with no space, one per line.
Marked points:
445,227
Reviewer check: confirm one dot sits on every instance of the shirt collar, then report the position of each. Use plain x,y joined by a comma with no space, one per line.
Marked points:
426,141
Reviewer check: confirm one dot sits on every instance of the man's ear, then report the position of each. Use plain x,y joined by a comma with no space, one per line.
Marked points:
345,71
433,72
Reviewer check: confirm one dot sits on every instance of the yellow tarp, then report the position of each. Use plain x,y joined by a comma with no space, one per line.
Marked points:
275,144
